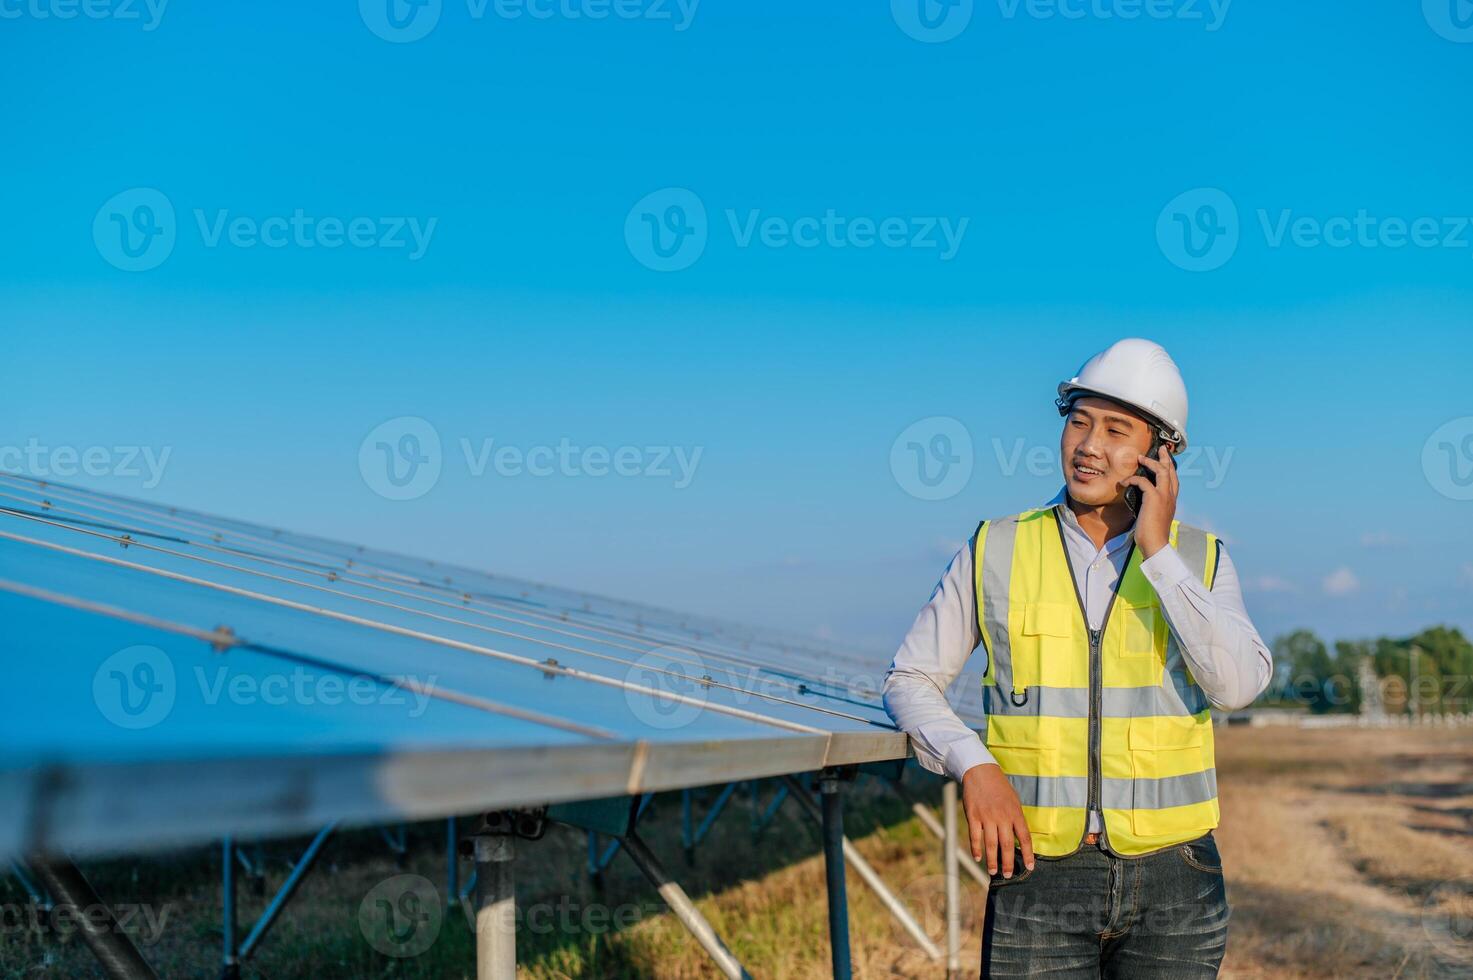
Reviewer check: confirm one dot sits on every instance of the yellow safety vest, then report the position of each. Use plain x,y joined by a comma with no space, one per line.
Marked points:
1077,718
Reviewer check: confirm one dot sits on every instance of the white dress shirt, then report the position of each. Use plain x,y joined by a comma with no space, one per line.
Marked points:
1218,641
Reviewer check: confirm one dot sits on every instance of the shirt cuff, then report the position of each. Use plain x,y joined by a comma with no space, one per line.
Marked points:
1165,569
966,753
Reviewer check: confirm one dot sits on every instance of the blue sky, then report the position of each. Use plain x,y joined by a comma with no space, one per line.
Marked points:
784,347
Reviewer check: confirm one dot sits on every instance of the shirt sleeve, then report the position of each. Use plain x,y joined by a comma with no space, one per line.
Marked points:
1229,660
933,653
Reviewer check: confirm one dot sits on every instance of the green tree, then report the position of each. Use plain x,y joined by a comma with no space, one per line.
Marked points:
1310,671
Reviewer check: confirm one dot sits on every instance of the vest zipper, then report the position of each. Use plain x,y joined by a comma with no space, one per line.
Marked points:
1096,695
1096,673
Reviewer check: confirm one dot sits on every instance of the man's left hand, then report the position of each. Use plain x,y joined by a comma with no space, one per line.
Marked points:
1158,501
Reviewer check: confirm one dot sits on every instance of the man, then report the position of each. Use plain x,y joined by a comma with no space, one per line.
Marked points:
1110,630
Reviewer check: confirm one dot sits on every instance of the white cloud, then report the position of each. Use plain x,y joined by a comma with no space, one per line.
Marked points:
1269,583
1341,581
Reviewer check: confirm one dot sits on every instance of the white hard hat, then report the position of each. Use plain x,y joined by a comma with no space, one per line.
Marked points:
1137,373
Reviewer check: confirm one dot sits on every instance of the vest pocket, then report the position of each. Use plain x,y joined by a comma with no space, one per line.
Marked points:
1144,629
1028,762
1162,747
1047,630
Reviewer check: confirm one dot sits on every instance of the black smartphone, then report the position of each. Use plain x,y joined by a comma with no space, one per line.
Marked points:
1133,494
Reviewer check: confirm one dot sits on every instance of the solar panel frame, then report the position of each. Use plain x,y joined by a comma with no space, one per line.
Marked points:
527,729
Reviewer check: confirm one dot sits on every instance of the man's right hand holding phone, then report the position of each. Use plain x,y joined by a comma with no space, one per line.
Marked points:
995,818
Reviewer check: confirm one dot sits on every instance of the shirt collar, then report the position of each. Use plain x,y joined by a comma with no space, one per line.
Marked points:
1071,523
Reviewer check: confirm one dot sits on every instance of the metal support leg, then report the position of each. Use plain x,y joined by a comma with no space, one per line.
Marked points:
114,951
37,899
866,872
691,834
687,828
284,895
964,856
684,909
452,865
833,864
229,965
496,909
953,884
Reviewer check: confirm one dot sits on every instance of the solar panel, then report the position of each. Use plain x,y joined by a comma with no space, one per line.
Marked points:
176,676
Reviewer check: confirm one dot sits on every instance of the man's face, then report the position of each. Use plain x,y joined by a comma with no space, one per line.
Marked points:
1099,449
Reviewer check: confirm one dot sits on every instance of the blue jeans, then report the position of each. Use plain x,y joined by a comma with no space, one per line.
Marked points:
1091,914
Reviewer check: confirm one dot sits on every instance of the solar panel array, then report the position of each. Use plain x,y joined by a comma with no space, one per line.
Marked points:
174,676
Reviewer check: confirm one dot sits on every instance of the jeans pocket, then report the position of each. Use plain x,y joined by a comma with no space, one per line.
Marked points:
1202,854
1021,873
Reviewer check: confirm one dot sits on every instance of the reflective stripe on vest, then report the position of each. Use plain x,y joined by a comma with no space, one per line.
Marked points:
1154,775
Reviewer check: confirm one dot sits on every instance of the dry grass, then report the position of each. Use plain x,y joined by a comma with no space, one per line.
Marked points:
1346,855
1344,851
